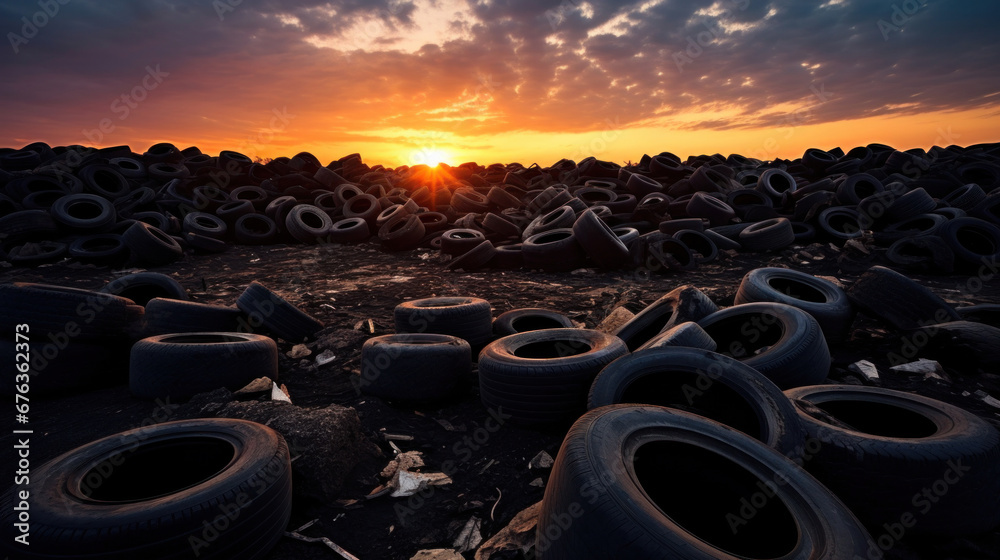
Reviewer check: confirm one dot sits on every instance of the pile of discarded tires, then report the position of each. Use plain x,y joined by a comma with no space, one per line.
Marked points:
932,210
144,326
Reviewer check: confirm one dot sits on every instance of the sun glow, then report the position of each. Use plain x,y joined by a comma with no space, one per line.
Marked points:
430,157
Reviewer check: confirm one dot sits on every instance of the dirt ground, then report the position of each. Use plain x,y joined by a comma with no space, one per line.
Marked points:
345,286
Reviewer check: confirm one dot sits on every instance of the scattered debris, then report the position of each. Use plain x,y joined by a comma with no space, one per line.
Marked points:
255,389
408,483
517,536
987,398
470,537
396,437
929,368
330,544
866,369
437,554
299,351
488,465
280,393
325,357
615,320
541,461
538,483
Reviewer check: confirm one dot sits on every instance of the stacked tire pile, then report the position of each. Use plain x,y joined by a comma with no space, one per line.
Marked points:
708,432
933,210
143,324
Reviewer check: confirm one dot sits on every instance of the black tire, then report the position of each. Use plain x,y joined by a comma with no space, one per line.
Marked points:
508,257
967,197
350,230
671,227
364,206
469,201
556,250
688,335
308,224
716,211
253,194
181,365
216,488
911,204
670,253
704,383
560,218
775,183
600,243
841,223
769,235
543,376
28,225
975,242
702,247
231,211
782,342
804,232
155,219
529,319
722,242
35,253
468,318
279,208
414,367
927,253
888,453
255,229
166,316
56,312
742,200
474,259
144,286
891,297
402,232
151,245
205,224
276,314
104,181
858,187
84,213
436,221
454,242
100,248
825,301
683,304
651,482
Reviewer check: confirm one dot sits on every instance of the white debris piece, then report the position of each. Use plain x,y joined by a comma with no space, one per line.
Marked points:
470,537
866,369
929,368
541,461
277,394
325,357
408,483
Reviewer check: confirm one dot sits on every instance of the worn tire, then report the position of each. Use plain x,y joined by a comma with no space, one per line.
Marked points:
166,316
651,482
151,245
543,376
468,318
780,341
704,383
255,229
768,235
601,244
61,311
169,485
414,367
824,300
277,315
308,224
893,298
891,447
181,365
687,334
529,319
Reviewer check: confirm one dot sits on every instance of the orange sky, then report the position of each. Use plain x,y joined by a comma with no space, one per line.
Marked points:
407,82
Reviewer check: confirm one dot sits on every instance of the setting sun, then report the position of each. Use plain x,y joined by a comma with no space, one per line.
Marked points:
430,156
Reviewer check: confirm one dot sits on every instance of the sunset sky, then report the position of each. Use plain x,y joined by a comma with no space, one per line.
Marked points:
406,82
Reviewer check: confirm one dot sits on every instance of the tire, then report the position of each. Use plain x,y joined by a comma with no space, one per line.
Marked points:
911,204
35,253
651,482
683,304
469,201
722,242
168,487
775,183
704,383
79,366
468,318
308,224
104,181
181,365
804,232
600,243
501,199
703,249
255,229
350,230
508,257
166,316
841,223
414,367
927,254
824,300
543,376
554,251
688,335
151,245
716,211
56,312
402,232
276,314
101,248
84,213
975,242
672,253
436,221
768,235
782,342
279,208
205,224
454,242
474,259
967,197
560,218
529,319
252,194
858,187
232,211
144,286
671,227
888,449
891,297
742,200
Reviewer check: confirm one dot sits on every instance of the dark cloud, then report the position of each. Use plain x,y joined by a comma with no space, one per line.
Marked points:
508,65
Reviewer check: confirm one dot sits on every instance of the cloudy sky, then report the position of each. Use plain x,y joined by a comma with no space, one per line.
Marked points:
415,81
